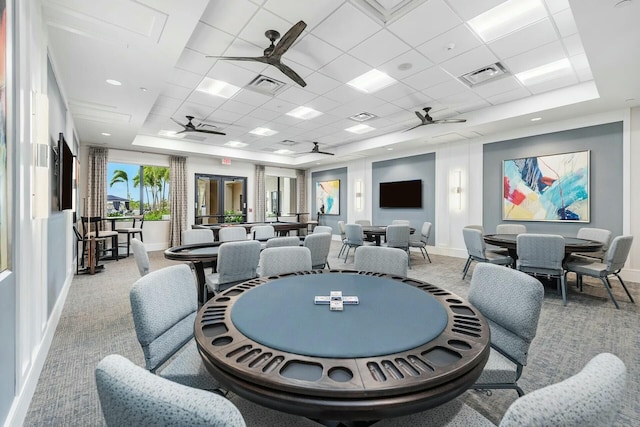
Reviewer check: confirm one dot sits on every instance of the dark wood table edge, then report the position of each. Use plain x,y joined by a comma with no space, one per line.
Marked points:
197,260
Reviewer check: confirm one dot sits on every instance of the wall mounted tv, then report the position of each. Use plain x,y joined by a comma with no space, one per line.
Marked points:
401,194
65,174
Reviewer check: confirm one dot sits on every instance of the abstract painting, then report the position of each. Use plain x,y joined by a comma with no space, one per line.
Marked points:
328,197
547,188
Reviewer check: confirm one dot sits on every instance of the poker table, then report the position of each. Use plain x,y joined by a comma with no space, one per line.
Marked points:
406,347
571,244
282,228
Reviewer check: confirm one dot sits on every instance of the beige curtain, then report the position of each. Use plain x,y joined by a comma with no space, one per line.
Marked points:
301,183
177,198
96,203
260,192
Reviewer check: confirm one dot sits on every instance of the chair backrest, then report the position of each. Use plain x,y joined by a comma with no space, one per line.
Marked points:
618,252
589,398
283,260
540,251
400,222
476,227
511,301
164,304
598,234
238,261
319,244
354,235
343,233
231,233
131,396
262,232
323,229
141,256
511,229
380,259
397,236
138,221
197,235
365,222
276,242
474,242
425,232
91,224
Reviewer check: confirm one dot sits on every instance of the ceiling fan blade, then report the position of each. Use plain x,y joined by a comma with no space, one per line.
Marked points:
324,152
290,73
416,126
177,122
241,58
213,132
288,39
420,116
450,121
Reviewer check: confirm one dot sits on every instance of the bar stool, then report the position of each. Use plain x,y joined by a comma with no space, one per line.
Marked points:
132,231
92,227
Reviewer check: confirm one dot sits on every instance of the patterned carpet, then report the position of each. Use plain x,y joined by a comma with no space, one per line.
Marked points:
96,321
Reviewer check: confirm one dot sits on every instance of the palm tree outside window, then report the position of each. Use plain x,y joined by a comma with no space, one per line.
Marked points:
129,184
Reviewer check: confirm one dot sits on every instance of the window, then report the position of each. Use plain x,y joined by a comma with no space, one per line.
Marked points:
126,188
280,197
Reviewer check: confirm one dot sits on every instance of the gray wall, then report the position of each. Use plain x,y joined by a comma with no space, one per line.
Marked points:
8,347
330,220
404,169
605,143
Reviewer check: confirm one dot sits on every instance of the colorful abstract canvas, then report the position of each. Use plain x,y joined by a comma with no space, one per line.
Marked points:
547,188
328,197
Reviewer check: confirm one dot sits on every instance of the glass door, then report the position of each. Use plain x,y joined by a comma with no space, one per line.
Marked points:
220,199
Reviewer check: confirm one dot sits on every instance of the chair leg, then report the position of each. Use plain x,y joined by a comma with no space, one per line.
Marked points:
563,288
607,285
347,255
427,254
625,287
466,268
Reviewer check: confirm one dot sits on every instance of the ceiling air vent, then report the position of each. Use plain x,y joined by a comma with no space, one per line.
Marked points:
362,117
484,74
266,85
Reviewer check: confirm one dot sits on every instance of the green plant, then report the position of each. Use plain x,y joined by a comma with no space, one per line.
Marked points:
232,216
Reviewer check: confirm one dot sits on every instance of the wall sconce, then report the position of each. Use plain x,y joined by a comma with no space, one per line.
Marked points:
359,195
456,190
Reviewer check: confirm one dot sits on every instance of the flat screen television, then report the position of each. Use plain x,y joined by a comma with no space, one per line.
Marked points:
65,174
401,194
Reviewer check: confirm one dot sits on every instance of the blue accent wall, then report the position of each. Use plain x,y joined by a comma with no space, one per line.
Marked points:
8,340
605,145
328,175
404,169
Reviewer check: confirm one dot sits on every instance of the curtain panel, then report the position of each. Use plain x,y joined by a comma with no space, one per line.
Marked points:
261,190
301,202
177,198
96,203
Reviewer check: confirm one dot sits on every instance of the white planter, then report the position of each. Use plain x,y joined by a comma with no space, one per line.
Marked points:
156,235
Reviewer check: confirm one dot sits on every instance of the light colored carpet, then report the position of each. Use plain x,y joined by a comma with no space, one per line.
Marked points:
96,321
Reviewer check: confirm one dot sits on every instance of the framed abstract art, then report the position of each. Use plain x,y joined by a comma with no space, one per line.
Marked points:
547,188
328,197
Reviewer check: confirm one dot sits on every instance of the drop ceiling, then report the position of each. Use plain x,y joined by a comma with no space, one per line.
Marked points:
158,50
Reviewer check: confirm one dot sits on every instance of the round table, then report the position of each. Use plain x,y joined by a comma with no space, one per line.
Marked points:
375,232
571,244
267,341
197,254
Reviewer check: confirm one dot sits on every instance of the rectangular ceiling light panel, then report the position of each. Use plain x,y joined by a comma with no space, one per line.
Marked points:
217,88
361,128
304,113
372,81
506,18
235,144
545,72
263,131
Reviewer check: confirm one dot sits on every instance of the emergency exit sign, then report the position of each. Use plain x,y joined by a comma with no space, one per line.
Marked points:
226,161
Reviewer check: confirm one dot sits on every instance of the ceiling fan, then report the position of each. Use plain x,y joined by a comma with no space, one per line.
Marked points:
273,53
426,119
190,127
316,150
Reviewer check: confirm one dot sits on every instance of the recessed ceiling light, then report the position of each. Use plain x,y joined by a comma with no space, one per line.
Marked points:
171,133
360,129
544,72
143,89
389,149
217,88
405,66
284,151
236,144
535,119
263,131
372,81
114,82
105,134
304,113
506,18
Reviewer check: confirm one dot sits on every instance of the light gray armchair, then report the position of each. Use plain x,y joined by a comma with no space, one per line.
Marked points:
275,242
425,232
477,250
130,396
323,229
397,236
192,236
319,244
164,304
599,235
232,233
262,232
542,254
379,259
511,302
511,229
237,262
141,256
285,259
354,238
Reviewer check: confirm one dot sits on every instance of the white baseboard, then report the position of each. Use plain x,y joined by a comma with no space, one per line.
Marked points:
631,275
151,247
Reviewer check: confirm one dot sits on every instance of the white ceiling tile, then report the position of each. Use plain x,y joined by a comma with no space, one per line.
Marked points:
311,12
469,61
346,27
345,68
262,21
379,48
442,90
319,84
386,109
512,95
495,87
296,95
203,98
194,61
192,109
413,101
579,62
229,16
229,72
251,98
565,23
208,40
344,93
433,17
398,68
323,104
166,101
312,52
176,91
584,74
535,35
395,91
236,107
263,114
556,6
162,110
565,80
279,105
473,106
573,44
429,77
470,9
452,43
536,57
283,119
185,78
460,99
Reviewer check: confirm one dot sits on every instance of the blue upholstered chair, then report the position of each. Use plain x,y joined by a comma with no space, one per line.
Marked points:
511,302
319,244
276,242
232,233
425,232
237,262
614,261
511,229
380,259
130,396
542,254
323,229
589,398
478,250
141,256
164,304
193,236
354,238
262,232
285,259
